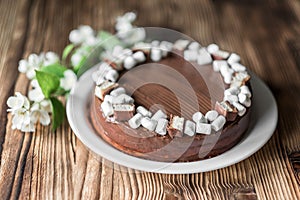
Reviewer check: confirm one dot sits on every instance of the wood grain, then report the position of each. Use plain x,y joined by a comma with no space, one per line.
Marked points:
46,165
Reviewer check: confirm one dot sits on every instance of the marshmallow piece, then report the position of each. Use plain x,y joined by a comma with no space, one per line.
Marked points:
231,91
108,98
148,123
107,109
155,54
129,62
135,121
127,52
155,43
123,112
231,98
112,75
190,55
220,55
227,110
212,48
218,123
211,115
241,109
104,89
247,102
161,127
227,77
238,67
100,80
217,64
123,98
194,46
165,47
245,90
159,114
176,126
139,56
242,98
145,47
199,117
203,128
118,91
233,58
181,44
143,111
189,128
204,57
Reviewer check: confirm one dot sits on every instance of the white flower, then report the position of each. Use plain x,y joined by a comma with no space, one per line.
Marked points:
29,66
83,35
69,80
46,105
28,127
35,62
51,58
36,93
20,118
39,114
17,102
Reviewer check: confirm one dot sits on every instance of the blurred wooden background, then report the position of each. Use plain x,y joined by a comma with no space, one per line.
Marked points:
46,165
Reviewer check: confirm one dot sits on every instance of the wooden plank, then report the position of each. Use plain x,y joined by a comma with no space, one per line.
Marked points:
57,165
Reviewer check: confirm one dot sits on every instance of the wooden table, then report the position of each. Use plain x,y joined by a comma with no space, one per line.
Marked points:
45,165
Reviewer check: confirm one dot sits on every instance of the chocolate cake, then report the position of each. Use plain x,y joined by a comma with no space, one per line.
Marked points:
171,102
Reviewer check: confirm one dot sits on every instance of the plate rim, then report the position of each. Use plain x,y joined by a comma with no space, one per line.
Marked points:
90,138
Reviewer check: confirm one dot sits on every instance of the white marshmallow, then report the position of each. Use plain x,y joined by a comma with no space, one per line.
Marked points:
181,44
189,128
129,62
123,98
135,121
148,123
190,55
227,77
247,103
161,127
108,98
194,46
217,64
204,57
212,48
222,54
107,109
242,98
203,128
143,111
127,52
155,54
139,56
112,75
245,90
231,98
159,114
118,91
232,91
241,109
199,117
238,67
100,80
211,115
218,123
177,123
233,58
165,47
155,43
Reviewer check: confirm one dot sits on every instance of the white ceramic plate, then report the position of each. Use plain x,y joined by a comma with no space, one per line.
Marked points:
263,124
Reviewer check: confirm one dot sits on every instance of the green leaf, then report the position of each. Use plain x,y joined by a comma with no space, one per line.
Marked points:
55,69
48,82
58,113
108,41
68,49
